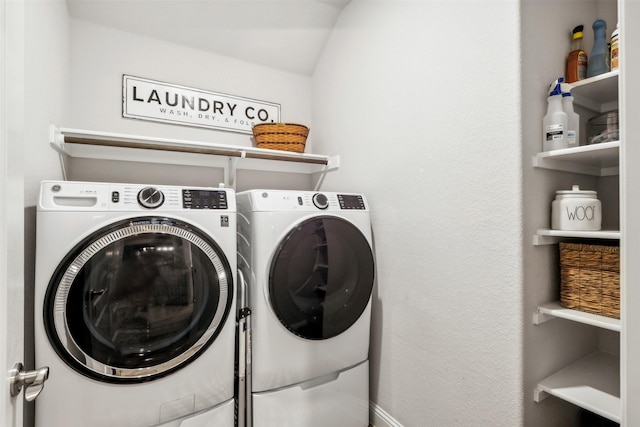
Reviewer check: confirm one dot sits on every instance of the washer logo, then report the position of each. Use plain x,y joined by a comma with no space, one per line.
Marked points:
224,220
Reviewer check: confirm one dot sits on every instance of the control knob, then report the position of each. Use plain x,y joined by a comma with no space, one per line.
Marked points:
320,200
150,197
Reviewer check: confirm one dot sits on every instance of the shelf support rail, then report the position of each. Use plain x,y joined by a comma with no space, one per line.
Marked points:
332,165
56,140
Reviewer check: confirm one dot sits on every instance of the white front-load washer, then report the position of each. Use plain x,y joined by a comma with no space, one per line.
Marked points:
309,263
135,305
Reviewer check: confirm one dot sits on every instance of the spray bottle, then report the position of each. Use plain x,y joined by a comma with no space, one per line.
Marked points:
573,118
554,123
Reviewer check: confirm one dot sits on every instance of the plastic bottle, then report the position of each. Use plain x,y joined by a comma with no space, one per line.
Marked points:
573,120
598,59
554,123
577,58
615,40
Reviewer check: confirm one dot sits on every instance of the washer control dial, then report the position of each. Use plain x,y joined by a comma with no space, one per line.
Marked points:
150,197
320,200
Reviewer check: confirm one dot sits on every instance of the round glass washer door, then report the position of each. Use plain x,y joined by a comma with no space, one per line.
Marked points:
321,277
138,299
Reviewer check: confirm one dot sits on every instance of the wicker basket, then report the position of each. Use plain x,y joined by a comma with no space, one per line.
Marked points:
281,136
590,278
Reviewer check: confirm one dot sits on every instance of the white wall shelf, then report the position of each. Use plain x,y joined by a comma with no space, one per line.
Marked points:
545,236
599,93
597,159
111,146
554,310
592,383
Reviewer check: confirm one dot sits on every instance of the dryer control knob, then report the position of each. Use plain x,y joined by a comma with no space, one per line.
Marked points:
320,200
150,197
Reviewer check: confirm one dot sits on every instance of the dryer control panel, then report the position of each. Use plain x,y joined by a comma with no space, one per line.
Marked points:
286,200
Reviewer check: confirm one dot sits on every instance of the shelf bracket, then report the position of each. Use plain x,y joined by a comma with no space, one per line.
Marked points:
231,170
539,240
539,394
540,317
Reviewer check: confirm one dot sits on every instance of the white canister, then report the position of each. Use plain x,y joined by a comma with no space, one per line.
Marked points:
576,210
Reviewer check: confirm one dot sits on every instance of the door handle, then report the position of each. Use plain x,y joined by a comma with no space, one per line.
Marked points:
33,381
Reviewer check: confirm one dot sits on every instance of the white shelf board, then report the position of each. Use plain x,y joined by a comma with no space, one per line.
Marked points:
555,310
111,146
599,93
597,159
546,236
592,383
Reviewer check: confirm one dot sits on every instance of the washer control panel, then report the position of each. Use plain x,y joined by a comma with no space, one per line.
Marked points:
75,195
320,201
204,199
348,201
150,198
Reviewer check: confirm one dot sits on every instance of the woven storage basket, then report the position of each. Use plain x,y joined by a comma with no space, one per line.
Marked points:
281,136
590,278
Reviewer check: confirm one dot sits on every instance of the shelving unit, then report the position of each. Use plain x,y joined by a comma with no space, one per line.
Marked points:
111,146
546,236
599,93
593,381
554,310
596,160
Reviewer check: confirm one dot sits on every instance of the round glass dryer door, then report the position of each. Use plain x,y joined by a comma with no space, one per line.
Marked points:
321,277
138,300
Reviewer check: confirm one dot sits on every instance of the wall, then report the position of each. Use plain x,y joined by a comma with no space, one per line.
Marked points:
422,102
46,100
101,55
46,88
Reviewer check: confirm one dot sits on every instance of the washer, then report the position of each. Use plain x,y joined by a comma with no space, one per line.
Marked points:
135,305
309,265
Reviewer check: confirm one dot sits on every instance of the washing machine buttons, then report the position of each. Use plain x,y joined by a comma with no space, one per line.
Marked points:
150,197
320,200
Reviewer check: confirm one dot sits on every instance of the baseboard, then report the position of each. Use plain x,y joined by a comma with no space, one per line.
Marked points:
378,417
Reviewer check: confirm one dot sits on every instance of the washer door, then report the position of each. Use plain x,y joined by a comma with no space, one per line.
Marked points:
321,277
138,299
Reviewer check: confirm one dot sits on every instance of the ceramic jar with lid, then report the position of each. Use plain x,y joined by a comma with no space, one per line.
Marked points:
576,210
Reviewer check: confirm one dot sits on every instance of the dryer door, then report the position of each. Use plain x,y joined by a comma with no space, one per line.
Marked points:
321,277
138,300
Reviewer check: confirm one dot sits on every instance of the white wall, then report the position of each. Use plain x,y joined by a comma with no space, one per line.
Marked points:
46,88
101,55
422,101
74,80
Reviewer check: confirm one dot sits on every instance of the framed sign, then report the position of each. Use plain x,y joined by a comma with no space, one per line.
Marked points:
156,101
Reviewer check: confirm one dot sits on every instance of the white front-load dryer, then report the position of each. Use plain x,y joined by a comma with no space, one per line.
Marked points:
135,305
309,263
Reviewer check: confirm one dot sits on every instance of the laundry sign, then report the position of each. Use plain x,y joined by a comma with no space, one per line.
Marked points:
156,101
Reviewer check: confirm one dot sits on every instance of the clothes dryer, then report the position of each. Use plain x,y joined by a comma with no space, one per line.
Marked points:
308,259
135,305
